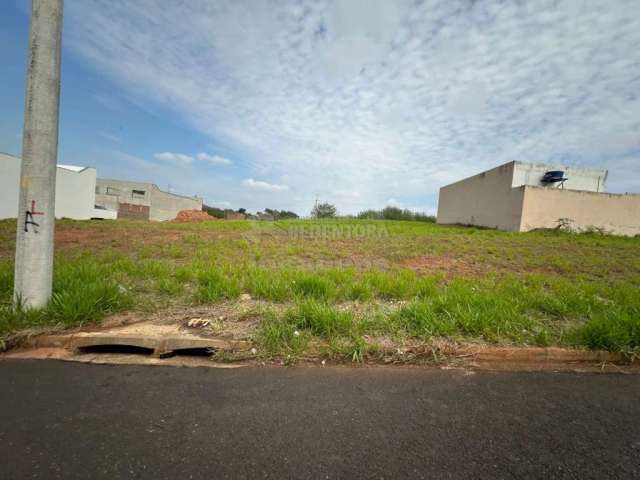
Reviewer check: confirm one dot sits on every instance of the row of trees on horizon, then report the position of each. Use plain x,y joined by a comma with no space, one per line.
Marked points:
327,210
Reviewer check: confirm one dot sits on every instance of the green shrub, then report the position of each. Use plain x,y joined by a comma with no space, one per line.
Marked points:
616,332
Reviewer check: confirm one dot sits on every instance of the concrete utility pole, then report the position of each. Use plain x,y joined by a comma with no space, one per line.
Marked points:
36,211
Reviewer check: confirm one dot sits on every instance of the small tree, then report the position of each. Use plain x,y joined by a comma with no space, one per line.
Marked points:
213,211
424,217
392,213
323,210
273,212
370,215
288,214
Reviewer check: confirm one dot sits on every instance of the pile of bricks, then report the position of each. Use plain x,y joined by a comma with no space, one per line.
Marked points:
185,216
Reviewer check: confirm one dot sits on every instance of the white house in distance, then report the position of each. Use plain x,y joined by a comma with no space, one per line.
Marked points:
519,197
75,191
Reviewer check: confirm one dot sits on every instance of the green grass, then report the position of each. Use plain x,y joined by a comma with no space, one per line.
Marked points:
268,285
217,285
313,285
278,336
396,284
344,279
534,310
84,291
319,318
309,319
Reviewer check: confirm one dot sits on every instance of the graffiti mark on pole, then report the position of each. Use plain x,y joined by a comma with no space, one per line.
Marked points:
29,220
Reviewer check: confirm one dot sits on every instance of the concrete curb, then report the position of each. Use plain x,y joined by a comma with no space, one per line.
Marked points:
480,357
541,355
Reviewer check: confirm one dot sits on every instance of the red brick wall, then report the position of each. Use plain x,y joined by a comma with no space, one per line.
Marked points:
133,212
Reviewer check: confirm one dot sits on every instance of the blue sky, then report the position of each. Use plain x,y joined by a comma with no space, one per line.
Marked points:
362,103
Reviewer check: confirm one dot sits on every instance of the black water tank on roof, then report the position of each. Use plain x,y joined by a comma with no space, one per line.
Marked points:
553,176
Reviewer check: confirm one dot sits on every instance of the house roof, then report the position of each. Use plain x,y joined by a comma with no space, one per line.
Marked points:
72,168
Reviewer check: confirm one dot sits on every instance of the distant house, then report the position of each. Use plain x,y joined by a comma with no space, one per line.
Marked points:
234,216
141,200
519,197
265,216
75,191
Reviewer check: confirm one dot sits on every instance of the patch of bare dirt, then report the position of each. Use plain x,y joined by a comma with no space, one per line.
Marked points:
127,237
70,238
451,267
229,320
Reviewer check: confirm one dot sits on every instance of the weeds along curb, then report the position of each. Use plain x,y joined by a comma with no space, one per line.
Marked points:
447,356
472,355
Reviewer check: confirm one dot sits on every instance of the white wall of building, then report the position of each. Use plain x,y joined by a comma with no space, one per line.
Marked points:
75,190
75,193
485,200
9,185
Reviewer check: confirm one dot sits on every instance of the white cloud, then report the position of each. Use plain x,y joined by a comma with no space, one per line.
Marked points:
175,158
385,98
347,194
260,185
213,159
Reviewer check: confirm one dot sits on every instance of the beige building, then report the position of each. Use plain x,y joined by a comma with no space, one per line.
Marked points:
143,201
519,197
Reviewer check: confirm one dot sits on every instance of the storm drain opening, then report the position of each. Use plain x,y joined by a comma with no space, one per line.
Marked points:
190,352
116,349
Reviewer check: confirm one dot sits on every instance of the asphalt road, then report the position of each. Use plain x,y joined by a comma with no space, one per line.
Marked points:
69,420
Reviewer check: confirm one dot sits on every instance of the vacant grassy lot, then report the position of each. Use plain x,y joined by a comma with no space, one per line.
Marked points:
348,286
